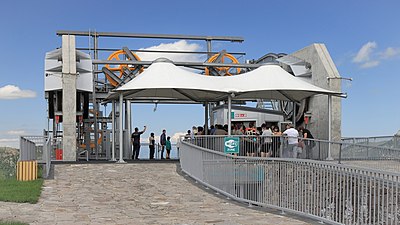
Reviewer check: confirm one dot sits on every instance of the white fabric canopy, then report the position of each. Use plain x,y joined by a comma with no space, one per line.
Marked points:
273,82
164,80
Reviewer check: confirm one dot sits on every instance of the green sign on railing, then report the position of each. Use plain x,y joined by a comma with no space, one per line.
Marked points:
231,145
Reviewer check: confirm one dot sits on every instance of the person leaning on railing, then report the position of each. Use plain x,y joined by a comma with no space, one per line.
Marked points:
307,144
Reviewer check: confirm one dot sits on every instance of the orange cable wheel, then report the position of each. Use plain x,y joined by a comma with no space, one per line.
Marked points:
225,69
119,70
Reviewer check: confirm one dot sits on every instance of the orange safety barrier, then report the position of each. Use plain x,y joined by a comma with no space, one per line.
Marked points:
59,154
27,170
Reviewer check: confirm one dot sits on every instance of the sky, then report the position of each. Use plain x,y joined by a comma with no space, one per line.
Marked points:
362,37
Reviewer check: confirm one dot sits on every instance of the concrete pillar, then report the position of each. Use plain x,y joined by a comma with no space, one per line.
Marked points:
323,70
69,97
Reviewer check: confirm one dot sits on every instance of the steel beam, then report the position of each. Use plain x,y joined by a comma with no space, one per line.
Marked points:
157,36
159,51
105,70
204,64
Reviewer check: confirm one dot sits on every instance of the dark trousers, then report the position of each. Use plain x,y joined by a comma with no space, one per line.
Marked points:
151,151
162,151
136,149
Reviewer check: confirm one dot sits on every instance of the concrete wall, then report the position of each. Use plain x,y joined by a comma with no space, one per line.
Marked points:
323,67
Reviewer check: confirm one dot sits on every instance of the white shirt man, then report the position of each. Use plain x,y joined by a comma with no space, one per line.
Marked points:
292,136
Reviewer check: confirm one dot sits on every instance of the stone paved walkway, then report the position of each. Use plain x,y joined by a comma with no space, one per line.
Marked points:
141,193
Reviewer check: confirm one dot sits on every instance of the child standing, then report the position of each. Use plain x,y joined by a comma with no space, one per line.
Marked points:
168,147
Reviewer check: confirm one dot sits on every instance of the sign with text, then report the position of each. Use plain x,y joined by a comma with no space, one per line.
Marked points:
231,145
240,115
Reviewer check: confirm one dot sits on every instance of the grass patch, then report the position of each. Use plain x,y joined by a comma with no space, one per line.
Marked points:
11,223
12,190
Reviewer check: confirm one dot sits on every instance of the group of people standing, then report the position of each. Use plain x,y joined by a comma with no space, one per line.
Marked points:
165,143
265,141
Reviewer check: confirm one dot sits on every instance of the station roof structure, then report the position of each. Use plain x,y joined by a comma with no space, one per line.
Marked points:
164,81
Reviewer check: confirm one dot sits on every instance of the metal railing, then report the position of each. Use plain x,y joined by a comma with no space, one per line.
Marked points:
382,141
326,191
249,145
38,148
28,148
377,157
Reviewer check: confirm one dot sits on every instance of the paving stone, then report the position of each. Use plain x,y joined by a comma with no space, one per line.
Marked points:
132,193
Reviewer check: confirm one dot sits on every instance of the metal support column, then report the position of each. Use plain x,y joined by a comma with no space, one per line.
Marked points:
121,126
206,118
128,125
229,114
113,132
209,54
210,105
294,114
94,98
329,126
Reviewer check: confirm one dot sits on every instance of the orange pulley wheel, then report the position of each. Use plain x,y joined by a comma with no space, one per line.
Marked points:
119,70
225,70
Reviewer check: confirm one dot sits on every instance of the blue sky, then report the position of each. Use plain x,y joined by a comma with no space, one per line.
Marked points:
362,37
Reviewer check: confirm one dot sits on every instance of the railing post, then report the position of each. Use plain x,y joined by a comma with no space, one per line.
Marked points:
281,147
340,153
319,150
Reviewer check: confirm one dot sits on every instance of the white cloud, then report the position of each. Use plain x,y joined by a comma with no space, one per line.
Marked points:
390,52
370,64
176,46
9,142
16,132
176,136
364,53
14,92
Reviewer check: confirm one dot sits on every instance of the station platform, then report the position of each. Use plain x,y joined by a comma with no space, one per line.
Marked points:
138,192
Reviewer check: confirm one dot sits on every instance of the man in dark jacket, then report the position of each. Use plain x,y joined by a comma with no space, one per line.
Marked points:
135,139
163,142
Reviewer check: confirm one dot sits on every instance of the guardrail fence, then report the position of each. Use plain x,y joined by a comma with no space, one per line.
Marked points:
382,141
37,148
370,156
330,192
